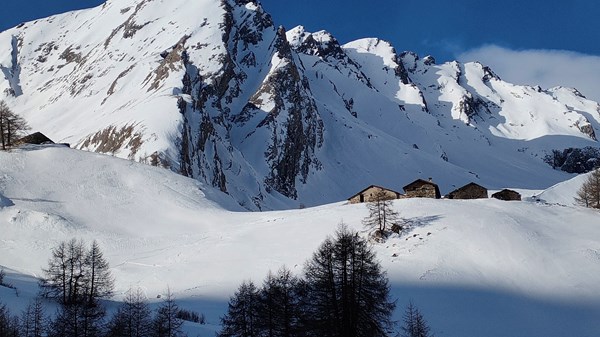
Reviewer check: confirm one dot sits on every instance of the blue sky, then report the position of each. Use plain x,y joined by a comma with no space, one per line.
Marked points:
494,32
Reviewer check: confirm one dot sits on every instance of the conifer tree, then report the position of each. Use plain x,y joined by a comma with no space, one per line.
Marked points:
347,290
279,308
242,318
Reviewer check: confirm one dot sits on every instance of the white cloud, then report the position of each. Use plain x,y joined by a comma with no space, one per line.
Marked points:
546,68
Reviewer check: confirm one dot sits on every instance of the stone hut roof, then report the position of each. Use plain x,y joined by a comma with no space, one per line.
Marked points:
417,184
507,195
469,191
371,186
35,138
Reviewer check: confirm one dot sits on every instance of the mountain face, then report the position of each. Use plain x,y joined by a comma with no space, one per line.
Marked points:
215,90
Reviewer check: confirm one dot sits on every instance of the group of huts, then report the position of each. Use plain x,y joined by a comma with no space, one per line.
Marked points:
428,189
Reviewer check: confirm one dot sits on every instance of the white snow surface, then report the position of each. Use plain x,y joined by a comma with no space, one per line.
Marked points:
474,267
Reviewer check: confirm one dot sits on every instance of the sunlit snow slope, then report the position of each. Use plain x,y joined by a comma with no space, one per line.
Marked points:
276,118
475,268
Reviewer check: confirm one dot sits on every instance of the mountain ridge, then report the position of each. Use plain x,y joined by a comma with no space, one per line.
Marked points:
274,118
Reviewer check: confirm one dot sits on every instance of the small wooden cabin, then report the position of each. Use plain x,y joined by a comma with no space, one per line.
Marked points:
507,195
469,191
368,194
422,189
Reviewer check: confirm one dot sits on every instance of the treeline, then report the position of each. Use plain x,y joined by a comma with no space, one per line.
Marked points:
343,293
77,278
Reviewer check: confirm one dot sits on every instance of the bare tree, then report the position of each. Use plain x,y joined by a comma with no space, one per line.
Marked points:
588,194
381,212
11,126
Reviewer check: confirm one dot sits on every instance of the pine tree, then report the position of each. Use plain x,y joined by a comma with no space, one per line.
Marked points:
11,126
381,212
588,194
414,323
166,323
347,290
242,318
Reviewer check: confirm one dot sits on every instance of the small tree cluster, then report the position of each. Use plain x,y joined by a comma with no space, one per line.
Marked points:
191,316
344,293
11,126
588,194
32,322
134,318
9,324
76,275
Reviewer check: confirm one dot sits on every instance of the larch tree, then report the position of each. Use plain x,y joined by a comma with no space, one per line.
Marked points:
98,278
347,289
12,126
381,212
76,275
34,321
588,194
414,323
242,318
133,318
166,322
279,305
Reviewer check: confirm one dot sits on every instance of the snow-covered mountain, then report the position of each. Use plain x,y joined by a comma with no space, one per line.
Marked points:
474,267
215,90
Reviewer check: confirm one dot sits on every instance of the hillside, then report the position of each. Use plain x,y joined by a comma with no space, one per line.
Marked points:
279,118
475,268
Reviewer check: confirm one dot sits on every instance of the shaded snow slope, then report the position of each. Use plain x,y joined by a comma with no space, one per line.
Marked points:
215,90
475,268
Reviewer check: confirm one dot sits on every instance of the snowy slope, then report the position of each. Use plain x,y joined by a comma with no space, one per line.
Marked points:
215,90
475,268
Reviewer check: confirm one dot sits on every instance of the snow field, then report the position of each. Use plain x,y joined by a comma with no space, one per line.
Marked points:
475,267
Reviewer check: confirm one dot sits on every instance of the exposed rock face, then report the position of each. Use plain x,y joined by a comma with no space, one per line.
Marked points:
213,89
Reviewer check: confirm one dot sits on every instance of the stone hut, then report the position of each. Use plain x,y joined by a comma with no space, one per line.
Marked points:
422,189
37,138
368,194
507,195
469,191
